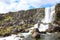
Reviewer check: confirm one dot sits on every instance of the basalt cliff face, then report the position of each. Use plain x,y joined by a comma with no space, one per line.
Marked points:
57,11
14,22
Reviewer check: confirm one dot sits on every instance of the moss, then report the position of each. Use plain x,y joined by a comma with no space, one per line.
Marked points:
8,18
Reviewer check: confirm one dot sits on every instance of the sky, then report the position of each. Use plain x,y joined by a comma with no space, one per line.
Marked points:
17,5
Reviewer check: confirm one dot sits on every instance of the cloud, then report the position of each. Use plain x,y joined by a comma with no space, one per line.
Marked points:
16,5
39,3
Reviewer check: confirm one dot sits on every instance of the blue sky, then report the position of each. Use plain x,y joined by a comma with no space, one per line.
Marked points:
16,5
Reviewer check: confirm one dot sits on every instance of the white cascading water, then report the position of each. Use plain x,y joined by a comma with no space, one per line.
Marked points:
49,17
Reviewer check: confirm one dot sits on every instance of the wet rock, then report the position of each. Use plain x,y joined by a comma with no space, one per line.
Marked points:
7,34
57,29
35,33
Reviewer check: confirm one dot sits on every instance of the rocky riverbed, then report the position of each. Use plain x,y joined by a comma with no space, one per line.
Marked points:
26,36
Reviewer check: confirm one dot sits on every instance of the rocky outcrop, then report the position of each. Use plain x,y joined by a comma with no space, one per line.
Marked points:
57,11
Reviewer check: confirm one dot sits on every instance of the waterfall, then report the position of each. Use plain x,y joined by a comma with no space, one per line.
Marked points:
49,17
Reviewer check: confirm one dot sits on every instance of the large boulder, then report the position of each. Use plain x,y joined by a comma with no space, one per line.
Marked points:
56,29
35,33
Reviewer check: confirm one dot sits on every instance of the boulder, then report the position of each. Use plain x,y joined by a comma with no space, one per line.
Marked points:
35,33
